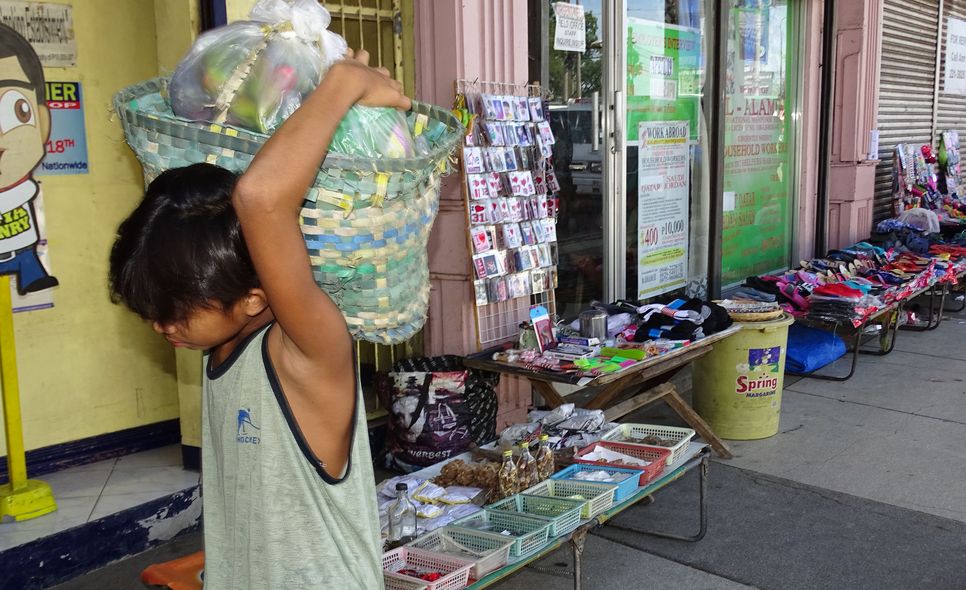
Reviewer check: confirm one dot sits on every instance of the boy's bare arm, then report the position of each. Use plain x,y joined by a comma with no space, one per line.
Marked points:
269,195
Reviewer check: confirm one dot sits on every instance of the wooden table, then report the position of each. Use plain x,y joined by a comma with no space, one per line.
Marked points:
650,374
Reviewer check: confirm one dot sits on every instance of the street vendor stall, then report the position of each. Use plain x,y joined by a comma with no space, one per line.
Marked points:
640,376
530,537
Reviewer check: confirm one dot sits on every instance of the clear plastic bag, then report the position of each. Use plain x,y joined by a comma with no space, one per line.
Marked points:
253,74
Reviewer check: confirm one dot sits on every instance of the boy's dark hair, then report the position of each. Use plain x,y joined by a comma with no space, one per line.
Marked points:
12,43
182,247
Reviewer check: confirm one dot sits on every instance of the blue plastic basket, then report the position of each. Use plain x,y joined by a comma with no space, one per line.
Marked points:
625,489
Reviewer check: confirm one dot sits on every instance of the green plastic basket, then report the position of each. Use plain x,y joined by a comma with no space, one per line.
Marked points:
563,514
528,533
598,497
366,222
489,551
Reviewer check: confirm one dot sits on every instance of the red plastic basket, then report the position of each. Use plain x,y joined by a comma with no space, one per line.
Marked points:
656,455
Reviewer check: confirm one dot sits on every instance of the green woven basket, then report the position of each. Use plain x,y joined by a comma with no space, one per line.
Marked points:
366,222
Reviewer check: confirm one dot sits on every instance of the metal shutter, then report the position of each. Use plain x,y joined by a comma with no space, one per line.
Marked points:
952,108
906,79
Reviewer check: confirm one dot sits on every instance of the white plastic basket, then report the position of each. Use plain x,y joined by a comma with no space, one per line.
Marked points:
489,551
631,433
394,582
599,496
456,571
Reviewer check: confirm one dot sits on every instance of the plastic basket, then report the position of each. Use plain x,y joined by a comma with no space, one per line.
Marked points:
456,571
625,488
656,455
598,496
365,222
489,551
528,533
680,436
563,514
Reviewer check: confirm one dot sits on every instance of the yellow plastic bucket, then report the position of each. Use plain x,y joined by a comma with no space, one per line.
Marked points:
738,385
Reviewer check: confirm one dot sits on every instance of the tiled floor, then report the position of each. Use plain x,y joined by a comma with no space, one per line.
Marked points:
90,492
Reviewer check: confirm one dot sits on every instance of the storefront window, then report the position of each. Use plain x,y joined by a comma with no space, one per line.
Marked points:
575,89
666,132
760,112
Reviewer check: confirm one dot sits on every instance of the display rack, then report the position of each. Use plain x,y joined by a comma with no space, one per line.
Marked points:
511,198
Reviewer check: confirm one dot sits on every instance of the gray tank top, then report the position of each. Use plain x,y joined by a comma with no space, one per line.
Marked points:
273,518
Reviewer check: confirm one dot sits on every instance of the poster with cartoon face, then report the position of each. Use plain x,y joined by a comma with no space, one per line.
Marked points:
24,129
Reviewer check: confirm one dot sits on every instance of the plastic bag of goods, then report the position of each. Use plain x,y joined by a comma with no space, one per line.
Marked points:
253,74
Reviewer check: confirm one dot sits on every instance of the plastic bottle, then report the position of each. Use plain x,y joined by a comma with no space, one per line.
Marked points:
402,517
545,464
527,467
508,477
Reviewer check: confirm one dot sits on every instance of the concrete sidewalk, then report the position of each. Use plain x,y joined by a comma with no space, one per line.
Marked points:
863,487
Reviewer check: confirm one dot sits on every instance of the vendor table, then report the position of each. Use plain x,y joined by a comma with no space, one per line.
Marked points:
697,455
933,318
886,321
639,375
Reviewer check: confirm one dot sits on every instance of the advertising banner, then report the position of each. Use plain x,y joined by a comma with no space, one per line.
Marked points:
663,198
67,145
663,74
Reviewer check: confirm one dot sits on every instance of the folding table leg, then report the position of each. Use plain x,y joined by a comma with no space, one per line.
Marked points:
703,514
932,319
577,543
962,306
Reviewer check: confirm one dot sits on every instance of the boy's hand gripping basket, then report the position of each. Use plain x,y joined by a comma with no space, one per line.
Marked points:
366,221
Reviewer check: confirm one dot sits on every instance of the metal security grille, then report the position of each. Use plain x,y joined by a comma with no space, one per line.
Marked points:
373,25
906,83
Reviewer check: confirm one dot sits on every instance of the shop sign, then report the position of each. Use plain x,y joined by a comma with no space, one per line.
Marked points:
955,82
67,145
570,33
759,378
663,74
48,27
663,194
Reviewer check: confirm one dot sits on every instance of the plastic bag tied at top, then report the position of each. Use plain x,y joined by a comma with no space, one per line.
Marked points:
253,74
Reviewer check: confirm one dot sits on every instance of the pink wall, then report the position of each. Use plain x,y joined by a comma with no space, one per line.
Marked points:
469,39
810,107
852,173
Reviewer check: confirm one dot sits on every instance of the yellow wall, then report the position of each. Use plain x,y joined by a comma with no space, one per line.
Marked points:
238,9
88,367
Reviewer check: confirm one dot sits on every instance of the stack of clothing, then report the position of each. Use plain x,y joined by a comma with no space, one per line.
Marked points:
848,285
681,319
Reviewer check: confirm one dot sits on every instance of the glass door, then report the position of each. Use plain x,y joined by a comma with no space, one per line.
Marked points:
761,117
667,211
575,86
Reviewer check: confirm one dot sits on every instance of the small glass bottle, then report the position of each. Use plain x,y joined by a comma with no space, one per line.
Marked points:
402,517
508,477
545,464
527,467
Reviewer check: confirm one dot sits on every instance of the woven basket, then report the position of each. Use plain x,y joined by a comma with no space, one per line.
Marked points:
366,222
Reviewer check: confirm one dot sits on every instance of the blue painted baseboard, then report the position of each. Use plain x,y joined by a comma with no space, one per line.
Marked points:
97,448
62,556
